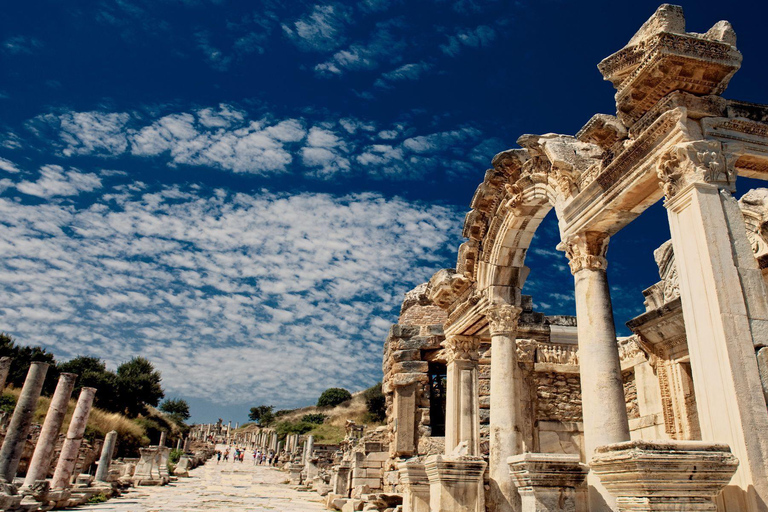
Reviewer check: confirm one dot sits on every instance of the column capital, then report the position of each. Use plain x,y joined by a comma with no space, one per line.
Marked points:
465,348
502,318
586,250
699,161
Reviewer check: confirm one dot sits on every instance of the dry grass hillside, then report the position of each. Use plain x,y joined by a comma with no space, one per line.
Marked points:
331,431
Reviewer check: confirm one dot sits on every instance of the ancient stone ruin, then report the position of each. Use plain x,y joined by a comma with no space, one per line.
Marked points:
494,406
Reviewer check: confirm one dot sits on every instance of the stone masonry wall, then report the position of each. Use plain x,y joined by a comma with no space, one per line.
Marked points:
558,397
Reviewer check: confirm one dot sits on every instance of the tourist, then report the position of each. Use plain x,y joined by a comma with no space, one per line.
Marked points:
218,457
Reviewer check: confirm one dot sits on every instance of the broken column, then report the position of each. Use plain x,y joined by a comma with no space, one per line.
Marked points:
21,421
5,367
602,388
505,401
102,472
71,448
46,442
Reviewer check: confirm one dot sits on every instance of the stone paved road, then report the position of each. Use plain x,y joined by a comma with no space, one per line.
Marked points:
224,486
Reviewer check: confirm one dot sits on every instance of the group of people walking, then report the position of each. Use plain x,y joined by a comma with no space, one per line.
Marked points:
259,458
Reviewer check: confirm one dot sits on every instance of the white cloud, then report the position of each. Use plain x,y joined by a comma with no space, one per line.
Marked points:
16,45
55,181
480,36
8,166
383,45
320,30
94,132
224,137
254,292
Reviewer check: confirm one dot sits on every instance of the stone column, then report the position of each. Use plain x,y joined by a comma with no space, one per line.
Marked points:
462,416
178,444
309,447
71,448
21,421
603,402
161,442
102,472
505,438
725,308
46,442
5,367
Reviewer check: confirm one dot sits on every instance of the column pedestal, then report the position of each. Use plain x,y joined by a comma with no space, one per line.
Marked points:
413,477
547,482
663,476
455,483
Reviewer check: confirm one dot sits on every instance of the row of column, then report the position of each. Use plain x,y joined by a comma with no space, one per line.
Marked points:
42,457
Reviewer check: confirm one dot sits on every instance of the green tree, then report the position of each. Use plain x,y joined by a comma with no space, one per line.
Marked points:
138,385
375,403
92,372
262,414
22,356
177,408
333,396
316,418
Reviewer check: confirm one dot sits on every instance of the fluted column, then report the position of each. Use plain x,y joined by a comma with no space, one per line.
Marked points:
505,431
725,308
71,448
462,415
102,472
41,459
603,403
21,421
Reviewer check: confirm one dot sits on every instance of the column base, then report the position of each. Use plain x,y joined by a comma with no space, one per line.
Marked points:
547,482
455,483
413,477
664,475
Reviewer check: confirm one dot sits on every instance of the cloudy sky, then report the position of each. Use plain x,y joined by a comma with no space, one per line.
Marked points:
242,191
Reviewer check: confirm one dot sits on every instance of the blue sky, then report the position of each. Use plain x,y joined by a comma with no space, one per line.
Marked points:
243,191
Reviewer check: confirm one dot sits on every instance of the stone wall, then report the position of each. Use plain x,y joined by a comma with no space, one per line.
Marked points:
558,397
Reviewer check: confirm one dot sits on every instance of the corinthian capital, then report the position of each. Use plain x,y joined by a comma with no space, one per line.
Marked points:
700,161
586,250
462,347
502,319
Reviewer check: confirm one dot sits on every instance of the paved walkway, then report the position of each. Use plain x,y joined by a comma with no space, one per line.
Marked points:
224,486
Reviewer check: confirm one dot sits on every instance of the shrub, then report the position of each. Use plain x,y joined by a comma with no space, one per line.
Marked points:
375,403
7,403
317,418
333,396
97,498
175,455
287,427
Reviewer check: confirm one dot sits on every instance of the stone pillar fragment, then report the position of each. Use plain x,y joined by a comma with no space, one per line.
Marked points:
505,404
71,448
21,421
455,483
725,308
661,476
462,417
102,472
413,477
161,442
602,388
547,482
46,442
5,367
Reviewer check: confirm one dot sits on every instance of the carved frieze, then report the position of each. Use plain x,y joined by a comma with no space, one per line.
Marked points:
700,161
586,251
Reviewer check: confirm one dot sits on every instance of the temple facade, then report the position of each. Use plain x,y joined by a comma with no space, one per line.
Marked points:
492,406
